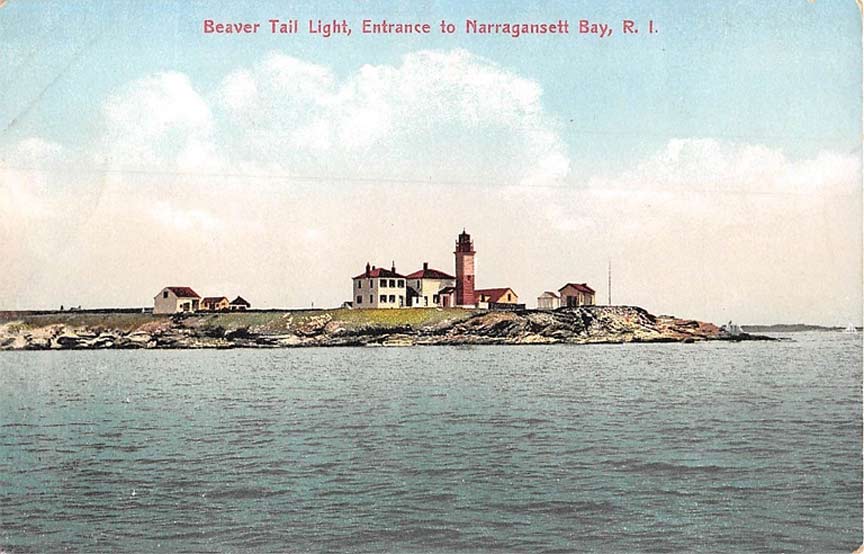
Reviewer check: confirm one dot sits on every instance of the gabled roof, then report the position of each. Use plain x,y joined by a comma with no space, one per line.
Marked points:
494,294
447,290
213,299
379,272
429,274
550,294
581,287
240,301
184,292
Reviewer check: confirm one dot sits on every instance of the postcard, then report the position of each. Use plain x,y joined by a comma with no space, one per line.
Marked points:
371,276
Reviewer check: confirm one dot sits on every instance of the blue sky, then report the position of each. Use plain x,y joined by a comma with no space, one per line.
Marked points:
785,74
716,163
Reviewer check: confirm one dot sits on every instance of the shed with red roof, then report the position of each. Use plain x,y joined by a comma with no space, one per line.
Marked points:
504,295
576,294
215,304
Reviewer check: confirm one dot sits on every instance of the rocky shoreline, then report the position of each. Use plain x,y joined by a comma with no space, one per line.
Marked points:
582,325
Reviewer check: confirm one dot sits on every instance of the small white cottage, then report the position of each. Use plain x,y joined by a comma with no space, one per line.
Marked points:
174,300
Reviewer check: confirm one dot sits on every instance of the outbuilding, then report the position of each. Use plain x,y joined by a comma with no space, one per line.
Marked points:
215,304
239,304
496,296
548,301
576,294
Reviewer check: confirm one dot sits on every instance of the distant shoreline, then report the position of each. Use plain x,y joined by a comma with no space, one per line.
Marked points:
791,328
124,329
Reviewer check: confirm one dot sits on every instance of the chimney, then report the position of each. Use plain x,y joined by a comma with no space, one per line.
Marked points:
393,266
367,269
425,266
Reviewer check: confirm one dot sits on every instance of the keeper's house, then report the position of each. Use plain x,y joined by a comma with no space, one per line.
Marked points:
175,300
425,287
379,288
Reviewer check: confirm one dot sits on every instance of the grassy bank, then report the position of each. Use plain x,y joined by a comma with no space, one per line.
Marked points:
275,322
263,321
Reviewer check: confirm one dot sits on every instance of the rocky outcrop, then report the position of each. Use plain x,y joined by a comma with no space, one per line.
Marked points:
592,324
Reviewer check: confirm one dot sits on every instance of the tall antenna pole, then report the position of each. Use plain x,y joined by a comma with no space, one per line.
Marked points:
609,284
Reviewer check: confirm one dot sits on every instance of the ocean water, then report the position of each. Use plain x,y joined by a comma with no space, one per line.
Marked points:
750,447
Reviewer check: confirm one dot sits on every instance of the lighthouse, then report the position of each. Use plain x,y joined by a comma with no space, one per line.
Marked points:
464,270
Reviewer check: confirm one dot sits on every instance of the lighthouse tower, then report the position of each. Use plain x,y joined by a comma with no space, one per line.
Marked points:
464,270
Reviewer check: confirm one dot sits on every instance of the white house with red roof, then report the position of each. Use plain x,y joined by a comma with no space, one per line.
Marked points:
426,285
379,288
174,300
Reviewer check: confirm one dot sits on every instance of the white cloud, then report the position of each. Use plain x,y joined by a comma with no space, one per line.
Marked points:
710,165
445,116
26,177
239,90
156,122
156,105
453,110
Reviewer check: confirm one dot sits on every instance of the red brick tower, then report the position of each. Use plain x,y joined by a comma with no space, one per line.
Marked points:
464,270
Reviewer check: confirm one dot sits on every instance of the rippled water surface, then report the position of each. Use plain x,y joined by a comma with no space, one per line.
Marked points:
751,447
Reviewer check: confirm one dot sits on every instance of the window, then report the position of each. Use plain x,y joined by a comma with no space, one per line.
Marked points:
425,300
418,284
509,298
359,284
401,283
434,298
401,301
370,283
383,283
371,299
359,299
383,298
392,298
393,283
165,294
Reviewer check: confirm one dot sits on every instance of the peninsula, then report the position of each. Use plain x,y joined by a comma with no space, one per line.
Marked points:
386,308
349,327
